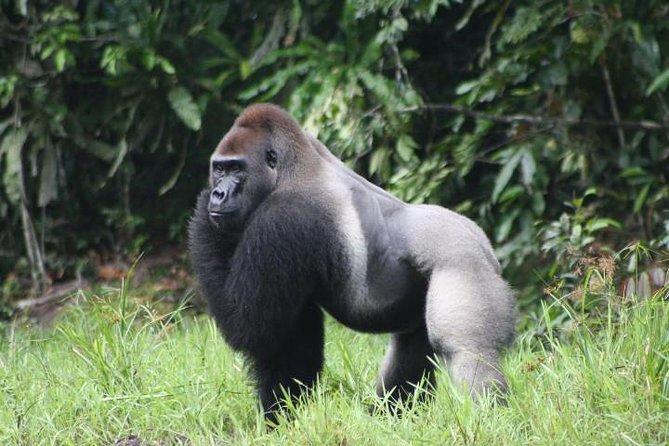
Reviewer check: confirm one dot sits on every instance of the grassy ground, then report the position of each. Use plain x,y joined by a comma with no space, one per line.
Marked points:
112,371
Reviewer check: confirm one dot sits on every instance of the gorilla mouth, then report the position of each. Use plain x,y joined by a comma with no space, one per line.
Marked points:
222,213
227,217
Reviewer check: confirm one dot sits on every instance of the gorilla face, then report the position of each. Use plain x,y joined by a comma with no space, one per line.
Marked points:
241,176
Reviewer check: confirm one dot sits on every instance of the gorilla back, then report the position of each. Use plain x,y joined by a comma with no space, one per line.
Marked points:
284,229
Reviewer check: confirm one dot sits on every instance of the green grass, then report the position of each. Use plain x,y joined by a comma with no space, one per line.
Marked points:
111,368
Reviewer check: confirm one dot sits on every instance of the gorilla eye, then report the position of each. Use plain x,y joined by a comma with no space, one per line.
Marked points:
271,158
225,167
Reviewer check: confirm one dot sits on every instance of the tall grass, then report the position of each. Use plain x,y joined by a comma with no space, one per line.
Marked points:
110,369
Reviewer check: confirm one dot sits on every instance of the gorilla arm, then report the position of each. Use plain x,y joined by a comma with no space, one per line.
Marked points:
210,249
262,292
258,289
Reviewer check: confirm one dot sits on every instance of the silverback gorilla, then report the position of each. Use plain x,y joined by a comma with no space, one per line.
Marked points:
284,229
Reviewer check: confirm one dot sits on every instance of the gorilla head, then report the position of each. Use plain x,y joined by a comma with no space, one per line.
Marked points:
264,147
243,172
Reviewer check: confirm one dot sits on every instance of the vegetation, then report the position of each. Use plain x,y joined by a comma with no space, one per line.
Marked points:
545,121
112,370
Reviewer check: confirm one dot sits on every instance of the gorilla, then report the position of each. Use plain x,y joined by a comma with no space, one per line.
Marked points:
284,230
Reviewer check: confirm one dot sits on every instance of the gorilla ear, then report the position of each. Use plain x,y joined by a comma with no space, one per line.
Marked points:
271,158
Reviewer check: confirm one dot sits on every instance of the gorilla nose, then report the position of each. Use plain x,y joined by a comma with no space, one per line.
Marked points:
218,195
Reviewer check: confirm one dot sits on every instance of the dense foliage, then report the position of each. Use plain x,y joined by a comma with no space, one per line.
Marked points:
546,121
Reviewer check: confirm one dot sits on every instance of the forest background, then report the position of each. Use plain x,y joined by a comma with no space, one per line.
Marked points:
547,122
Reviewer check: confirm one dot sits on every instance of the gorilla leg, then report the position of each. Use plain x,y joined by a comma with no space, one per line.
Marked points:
470,316
405,363
294,366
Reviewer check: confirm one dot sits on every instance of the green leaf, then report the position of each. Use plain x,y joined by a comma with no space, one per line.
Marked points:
527,167
538,203
102,150
372,53
48,183
503,229
636,31
60,60
641,198
590,191
599,45
466,87
273,84
556,74
468,15
598,224
149,59
380,86
114,57
4,125
511,193
405,147
121,152
464,154
578,33
169,184
505,174
185,107
634,171
377,160
12,146
659,83
221,41
525,22
165,65
244,69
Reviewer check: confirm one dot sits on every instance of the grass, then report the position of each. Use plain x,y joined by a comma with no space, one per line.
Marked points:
110,369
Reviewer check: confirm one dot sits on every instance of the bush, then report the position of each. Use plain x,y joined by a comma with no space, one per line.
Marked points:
546,122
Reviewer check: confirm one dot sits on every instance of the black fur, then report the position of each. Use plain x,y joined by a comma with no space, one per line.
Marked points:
262,286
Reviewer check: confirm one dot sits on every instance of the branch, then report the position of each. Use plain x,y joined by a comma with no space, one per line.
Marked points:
613,104
535,119
272,39
56,293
